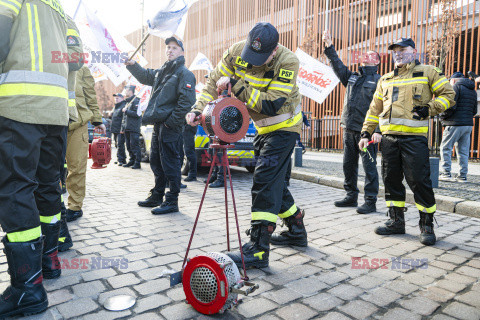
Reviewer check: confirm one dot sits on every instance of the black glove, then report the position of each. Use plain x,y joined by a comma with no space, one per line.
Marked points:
422,112
366,135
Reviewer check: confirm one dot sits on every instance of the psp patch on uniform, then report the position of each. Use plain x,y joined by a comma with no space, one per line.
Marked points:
286,74
72,41
241,62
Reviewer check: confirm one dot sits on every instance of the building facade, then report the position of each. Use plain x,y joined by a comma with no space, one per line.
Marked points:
355,26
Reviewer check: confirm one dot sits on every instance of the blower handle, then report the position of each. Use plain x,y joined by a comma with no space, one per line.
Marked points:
229,91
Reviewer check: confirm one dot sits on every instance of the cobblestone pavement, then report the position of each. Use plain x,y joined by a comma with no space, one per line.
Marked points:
330,164
317,282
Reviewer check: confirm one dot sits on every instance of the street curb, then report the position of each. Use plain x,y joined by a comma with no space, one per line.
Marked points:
444,203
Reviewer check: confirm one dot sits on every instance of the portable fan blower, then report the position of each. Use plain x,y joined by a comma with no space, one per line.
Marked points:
212,282
101,152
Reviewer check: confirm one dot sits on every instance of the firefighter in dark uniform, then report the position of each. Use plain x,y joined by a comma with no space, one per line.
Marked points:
263,74
131,128
33,115
401,106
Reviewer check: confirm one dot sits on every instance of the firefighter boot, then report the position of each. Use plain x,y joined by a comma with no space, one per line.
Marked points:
296,235
257,250
213,177
217,183
129,164
169,206
396,223
64,238
50,262
348,201
72,215
427,236
153,200
26,294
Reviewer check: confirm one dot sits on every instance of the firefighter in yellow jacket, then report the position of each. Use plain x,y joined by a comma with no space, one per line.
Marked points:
33,112
401,106
263,74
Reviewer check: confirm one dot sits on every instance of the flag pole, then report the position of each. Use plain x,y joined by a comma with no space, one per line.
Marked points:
76,11
139,46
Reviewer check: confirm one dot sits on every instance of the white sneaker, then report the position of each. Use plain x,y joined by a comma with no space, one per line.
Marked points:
461,179
445,177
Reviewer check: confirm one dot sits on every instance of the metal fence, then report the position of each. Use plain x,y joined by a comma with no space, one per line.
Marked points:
356,27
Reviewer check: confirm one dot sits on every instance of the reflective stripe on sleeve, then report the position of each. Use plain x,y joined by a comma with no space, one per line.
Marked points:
443,101
440,83
11,4
281,86
225,71
254,96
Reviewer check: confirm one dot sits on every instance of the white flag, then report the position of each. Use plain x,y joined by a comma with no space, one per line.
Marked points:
201,62
106,50
315,79
170,18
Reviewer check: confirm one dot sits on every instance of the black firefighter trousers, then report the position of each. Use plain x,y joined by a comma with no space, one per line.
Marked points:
407,156
270,195
30,175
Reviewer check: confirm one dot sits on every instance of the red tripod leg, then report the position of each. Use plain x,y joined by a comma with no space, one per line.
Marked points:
225,165
236,221
200,207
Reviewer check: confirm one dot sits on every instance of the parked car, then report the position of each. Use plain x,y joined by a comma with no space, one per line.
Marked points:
241,155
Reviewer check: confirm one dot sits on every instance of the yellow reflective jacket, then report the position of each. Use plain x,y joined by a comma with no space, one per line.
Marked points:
399,91
269,91
86,99
32,88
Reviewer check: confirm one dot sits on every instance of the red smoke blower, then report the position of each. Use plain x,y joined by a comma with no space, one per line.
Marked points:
101,152
212,282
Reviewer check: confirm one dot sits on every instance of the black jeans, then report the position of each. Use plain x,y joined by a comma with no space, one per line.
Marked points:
189,149
30,162
407,156
165,161
350,166
121,156
270,194
132,139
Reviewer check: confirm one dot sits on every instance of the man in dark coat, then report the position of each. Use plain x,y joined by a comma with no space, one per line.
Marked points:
173,95
131,128
116,128
458,123
360,89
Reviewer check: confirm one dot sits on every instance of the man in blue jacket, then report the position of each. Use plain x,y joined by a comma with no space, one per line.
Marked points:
173,95
458,123
360,89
